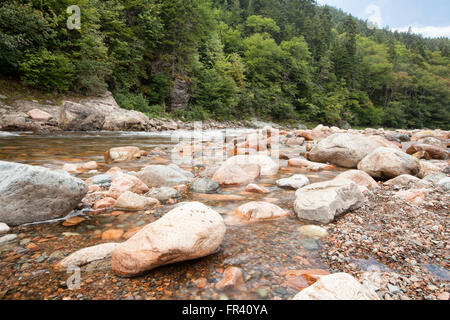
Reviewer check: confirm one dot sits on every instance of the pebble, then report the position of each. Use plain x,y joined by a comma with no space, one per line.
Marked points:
4,228
8,238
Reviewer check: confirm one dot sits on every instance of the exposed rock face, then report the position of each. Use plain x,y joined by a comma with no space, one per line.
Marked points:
190,231
87,255
344,150
338,286
386,163
295,182
133,202
123,154
258,210
360,178
31,193
77,117
161,176
179,96
322,202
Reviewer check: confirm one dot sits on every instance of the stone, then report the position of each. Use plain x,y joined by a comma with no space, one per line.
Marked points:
259,211
205,185
161,176
309,165
7,238
295,182
183,172
433,141
254,188
112,234
360,178
232,278
386,163
126,182
323,202
32,194
416,196
235,175
268,166
313,232
73,221
403,180
122,154
102,179
435,152
219,197
164,194
310,244
39,115
133,202
427,168
86,255
179,95
104,203
189,231
4,228
344,150
338,286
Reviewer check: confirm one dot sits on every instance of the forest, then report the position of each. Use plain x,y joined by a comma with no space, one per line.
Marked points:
287,61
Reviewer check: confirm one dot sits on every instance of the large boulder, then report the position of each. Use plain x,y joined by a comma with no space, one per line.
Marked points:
258,211
338,286
188,232
344,150
323,201
387,163
31,194
78,117
162,176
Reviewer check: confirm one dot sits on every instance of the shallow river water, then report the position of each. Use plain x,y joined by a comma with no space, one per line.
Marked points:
264,251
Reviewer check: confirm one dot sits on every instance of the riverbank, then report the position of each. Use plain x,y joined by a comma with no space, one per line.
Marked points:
390,234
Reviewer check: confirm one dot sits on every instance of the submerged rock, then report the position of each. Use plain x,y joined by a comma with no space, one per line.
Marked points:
232,278
338,286
322,202
314,232
31,193
205,185
258,210
344,150
87,255
161,176
386,163
190,231
254,188
295,182
134,202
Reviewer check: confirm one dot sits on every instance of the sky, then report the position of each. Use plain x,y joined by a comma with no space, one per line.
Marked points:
431,18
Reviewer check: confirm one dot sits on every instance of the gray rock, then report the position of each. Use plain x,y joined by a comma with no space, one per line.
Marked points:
161,176
444,184
179,96
163,194
205,185
102,179
310,244
322,202
295,182
31,193
78,117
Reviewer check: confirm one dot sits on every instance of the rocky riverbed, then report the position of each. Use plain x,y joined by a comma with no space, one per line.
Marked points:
236,214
